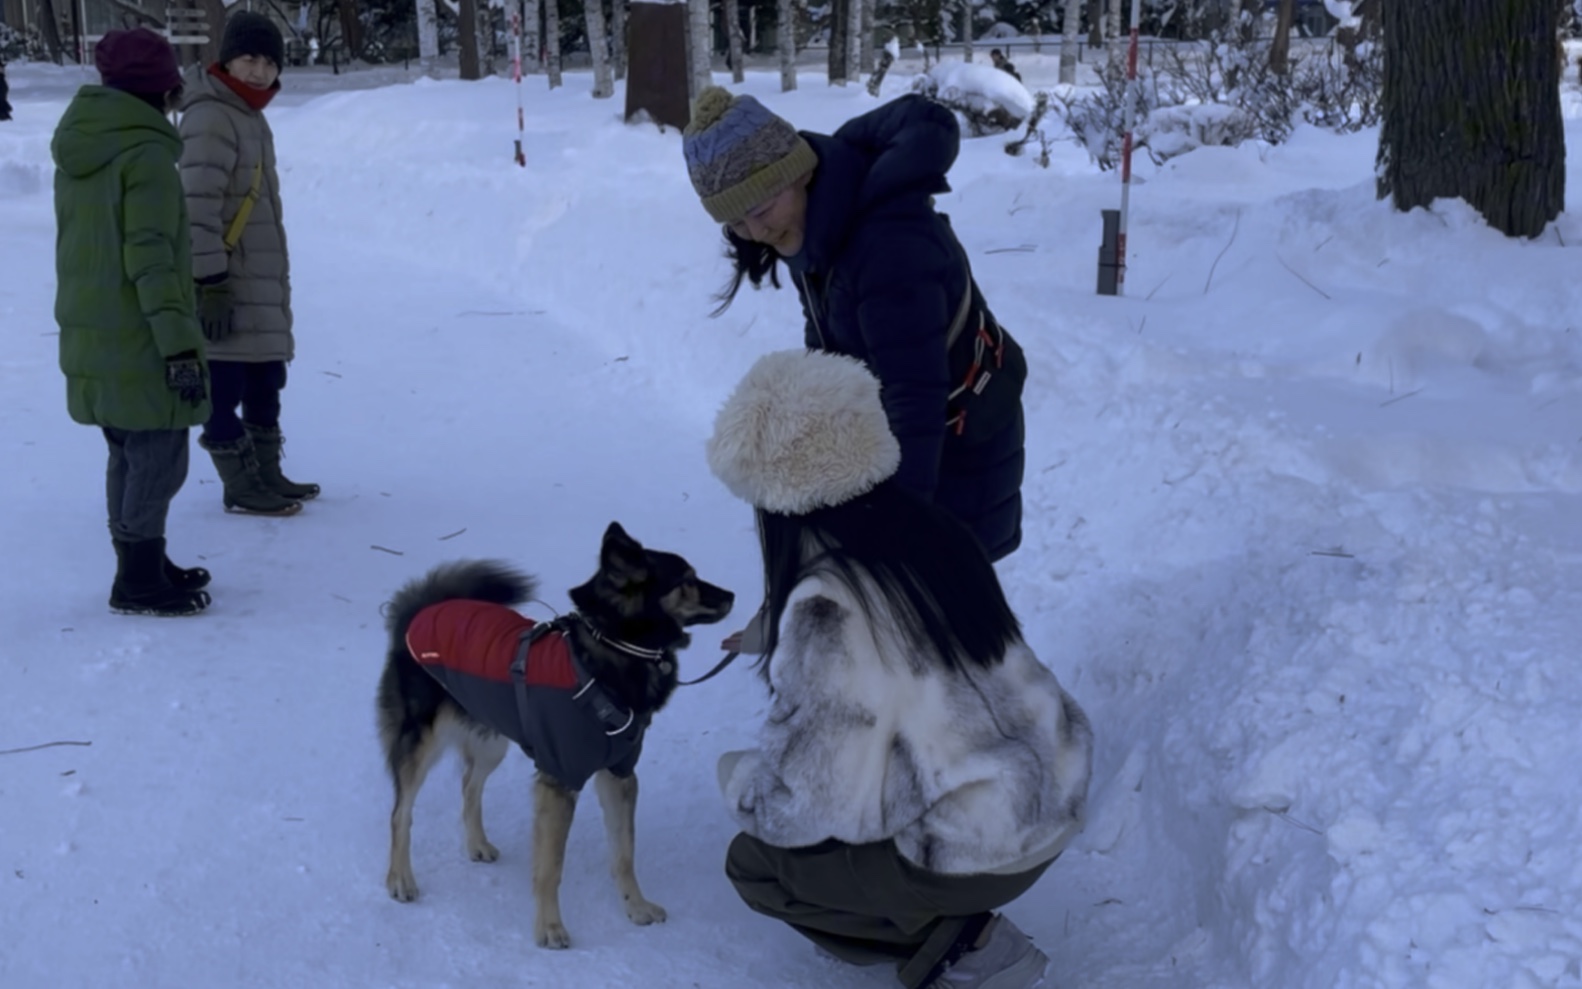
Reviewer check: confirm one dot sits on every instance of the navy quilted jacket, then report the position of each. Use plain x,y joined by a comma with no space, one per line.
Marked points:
884,277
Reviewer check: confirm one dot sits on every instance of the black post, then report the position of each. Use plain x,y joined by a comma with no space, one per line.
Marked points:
1109,254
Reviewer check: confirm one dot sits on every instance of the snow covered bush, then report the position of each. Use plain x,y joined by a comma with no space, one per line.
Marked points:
990,101
17,46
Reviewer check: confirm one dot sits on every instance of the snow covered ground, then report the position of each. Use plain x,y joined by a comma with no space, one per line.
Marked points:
1304,536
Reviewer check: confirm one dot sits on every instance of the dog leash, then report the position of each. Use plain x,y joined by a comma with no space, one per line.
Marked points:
718,667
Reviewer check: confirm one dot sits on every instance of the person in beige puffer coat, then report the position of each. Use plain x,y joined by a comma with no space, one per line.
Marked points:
240,263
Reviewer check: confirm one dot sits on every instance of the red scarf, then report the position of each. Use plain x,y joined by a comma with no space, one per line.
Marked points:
252,96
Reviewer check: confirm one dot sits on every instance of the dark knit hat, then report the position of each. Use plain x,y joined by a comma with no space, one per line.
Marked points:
251,33
739,154
137,61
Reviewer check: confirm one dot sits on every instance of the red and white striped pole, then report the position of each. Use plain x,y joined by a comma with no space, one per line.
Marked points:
516,76
1126,149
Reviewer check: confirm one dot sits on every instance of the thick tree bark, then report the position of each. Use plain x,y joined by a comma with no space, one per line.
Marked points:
838,24
351,28
785,40
1472,109
467,36
1280,47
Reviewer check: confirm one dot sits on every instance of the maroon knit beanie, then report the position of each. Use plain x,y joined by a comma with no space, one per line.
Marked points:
137,61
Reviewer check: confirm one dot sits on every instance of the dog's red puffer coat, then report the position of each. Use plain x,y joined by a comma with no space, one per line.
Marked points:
468,646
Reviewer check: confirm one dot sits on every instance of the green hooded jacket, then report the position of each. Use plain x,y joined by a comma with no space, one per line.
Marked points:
123,263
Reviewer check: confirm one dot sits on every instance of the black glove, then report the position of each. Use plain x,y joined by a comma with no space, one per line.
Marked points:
184,376
214,309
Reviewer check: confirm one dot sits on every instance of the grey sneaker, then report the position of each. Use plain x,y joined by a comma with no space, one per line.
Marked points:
1004,959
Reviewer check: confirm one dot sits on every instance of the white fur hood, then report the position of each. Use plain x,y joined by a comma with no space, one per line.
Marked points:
970,772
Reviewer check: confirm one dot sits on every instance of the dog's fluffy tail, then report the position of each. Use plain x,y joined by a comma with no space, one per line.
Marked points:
472,580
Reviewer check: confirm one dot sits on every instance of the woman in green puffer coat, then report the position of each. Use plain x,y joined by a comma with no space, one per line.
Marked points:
130,345
239,263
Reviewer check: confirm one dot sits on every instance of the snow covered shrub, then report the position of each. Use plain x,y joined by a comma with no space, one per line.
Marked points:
989,100
1014,148
1342,92
17,46
1097,119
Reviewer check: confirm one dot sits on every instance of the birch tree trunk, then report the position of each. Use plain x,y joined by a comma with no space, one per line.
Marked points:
1068,42
699,46
552,42
532,35
598,49
785,40
618,36
1120,19
427,34
733,34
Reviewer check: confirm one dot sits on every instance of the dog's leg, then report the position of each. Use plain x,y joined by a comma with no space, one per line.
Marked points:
553,807
408,776
618,798
482,754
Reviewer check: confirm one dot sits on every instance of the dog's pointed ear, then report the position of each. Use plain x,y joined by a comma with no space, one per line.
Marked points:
621,553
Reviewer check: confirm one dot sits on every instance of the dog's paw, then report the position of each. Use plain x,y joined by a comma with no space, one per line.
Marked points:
403,888
643,913
552,935
482,851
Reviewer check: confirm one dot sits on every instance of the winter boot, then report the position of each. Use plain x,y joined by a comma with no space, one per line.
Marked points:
268,441
141,587
181,578
245,490
999,957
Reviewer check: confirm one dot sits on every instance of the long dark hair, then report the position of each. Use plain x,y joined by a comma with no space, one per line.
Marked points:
929,573
750,261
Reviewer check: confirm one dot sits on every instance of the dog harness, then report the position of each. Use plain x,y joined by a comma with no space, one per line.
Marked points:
522,679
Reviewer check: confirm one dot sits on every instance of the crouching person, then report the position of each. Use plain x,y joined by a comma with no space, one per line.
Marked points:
129,341
919,767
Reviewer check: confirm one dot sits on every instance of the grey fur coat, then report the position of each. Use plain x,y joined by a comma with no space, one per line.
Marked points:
970,772
224,141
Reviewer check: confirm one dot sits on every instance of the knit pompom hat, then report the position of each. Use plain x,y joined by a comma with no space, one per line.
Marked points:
803,430
739,154
251,33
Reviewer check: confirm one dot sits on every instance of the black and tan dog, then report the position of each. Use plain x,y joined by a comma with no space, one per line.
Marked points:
576,693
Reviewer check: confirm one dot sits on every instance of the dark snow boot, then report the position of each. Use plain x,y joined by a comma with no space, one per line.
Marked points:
181,578
267,441
141,587
245,490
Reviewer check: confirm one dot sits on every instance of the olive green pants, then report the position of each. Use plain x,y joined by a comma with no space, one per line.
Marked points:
868,905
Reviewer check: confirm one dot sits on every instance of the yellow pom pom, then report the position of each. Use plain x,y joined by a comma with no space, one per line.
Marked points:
710,106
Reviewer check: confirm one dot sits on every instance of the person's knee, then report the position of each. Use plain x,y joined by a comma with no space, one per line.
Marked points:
745,861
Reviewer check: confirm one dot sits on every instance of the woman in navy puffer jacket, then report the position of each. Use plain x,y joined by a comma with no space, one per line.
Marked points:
882,278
